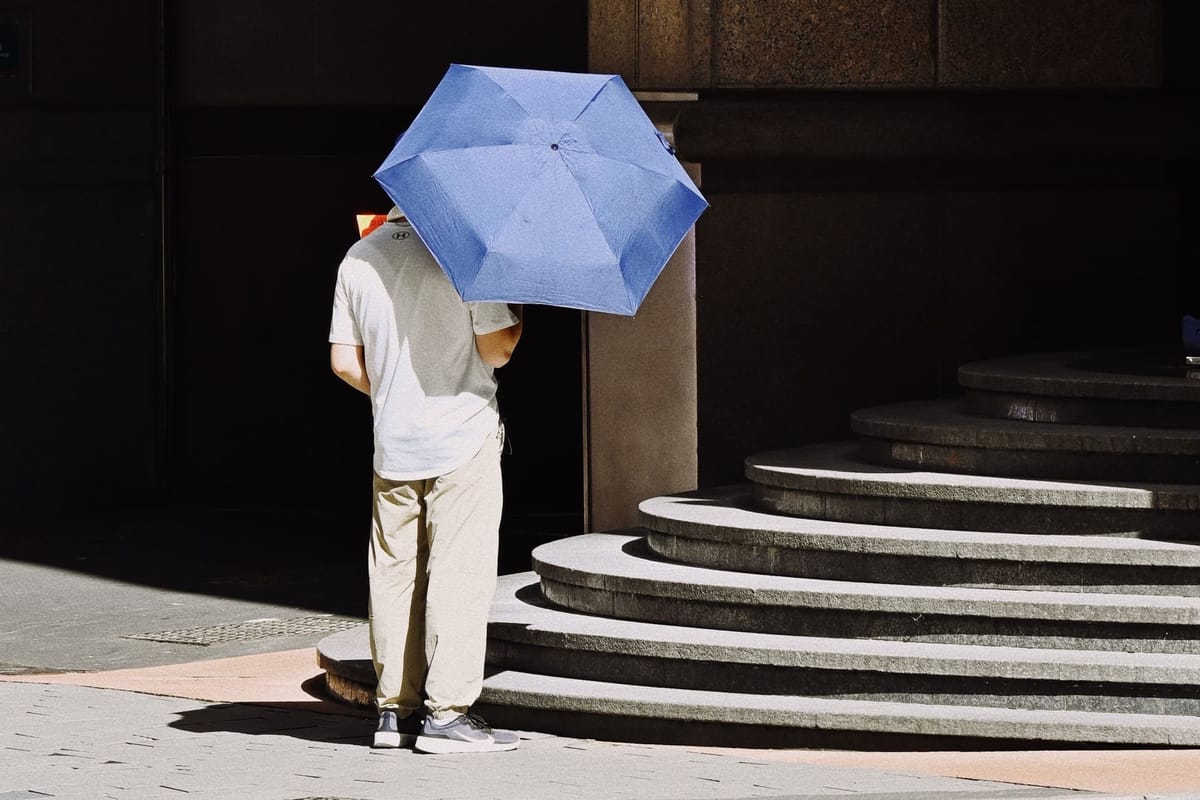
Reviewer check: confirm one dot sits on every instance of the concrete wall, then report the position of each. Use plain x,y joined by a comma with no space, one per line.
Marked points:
273,115
900,187
892,44
78,267
283,112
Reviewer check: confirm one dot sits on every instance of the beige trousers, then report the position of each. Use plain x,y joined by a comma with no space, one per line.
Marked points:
432,574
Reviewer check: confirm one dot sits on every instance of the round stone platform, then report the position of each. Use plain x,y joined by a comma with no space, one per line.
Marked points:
942,435
1151,387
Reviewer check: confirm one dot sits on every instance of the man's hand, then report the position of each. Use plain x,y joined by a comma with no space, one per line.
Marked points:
348,364
496,348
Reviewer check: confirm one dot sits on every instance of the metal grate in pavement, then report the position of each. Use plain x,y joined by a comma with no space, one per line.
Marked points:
251,630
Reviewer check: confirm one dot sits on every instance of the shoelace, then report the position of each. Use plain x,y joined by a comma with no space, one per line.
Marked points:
477,723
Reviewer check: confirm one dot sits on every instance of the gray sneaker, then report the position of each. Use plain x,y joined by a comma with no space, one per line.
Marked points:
465,733
396,731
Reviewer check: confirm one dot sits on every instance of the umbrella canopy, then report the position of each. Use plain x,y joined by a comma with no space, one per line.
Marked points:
542,187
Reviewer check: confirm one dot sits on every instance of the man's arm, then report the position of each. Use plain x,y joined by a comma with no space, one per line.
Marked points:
496,348
348,364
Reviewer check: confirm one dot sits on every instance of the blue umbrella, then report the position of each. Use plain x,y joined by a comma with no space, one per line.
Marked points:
541,187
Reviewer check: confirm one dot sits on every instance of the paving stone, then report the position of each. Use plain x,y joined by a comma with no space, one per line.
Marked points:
223,763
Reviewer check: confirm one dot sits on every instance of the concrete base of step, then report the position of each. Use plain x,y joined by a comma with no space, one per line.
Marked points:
563,705
941,435
522,618
720,529
616,575
1139,387
531,638
830,482
349,672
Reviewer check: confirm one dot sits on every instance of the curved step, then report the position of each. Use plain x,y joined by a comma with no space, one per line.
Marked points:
1147,387
719,528
940,435
582,708
616,575
829,481
600,659
527,634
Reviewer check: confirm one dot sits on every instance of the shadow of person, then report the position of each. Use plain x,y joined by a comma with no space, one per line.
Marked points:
318,720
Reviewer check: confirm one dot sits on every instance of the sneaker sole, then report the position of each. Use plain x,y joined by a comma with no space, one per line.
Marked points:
393,740
437,745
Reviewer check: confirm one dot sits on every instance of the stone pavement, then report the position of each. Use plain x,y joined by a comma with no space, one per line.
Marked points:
262,730
88,710
68,741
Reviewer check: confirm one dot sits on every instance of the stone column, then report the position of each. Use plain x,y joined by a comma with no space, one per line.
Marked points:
639,383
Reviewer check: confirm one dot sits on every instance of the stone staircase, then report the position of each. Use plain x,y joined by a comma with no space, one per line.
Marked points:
1019,565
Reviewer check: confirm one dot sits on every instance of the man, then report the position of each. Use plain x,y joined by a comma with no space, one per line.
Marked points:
401,334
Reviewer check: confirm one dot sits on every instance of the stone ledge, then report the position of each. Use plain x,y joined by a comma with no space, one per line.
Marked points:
1150,374
834,468
726,515
940,435
945,422
1081,411
522,627
717,529
519,615
784,713
611,569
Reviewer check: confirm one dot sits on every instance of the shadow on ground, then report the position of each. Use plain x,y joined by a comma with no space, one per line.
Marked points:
308,561
299,721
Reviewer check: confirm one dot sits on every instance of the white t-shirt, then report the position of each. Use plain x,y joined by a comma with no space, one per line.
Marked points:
433,397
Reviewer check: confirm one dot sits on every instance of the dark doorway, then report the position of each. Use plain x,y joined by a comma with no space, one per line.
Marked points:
273,136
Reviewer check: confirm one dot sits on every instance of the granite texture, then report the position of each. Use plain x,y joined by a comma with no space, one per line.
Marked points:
942,435
1072,411
812,43
718,529
1022,44
868,602
834,468
945,422
615,574
655,703
1149,374
527,635
726,516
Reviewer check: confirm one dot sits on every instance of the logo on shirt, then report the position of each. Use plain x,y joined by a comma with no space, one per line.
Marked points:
401,235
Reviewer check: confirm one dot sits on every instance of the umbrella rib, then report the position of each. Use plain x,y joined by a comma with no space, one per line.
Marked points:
509,94
523,107
634,165
591,100
460,149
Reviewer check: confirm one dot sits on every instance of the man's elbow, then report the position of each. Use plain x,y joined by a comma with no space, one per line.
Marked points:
340,364
346,361
497,356
496,349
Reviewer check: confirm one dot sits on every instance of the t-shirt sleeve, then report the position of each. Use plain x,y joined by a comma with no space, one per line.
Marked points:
491,317
342,328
